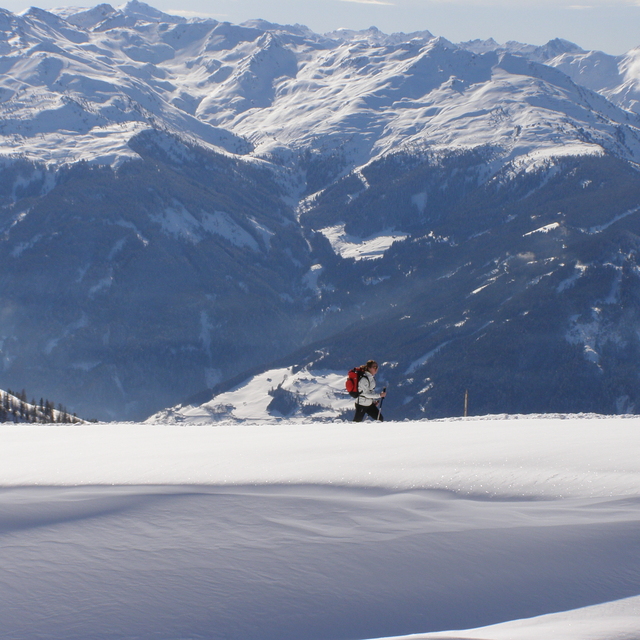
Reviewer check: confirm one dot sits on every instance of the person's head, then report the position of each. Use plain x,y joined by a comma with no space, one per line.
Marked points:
372,366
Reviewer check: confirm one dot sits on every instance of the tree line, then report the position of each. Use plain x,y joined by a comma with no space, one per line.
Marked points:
15,408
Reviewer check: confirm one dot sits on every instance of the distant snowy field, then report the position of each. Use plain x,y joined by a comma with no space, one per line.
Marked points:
496,529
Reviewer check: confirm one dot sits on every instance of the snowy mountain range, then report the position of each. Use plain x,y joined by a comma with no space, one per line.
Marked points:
187,204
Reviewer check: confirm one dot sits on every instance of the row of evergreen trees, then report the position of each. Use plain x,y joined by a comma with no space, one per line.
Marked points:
15,408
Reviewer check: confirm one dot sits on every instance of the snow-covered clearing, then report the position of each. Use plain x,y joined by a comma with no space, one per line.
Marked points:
350,246
522,528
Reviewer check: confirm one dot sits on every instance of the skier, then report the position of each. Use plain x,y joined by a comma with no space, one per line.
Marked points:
368,399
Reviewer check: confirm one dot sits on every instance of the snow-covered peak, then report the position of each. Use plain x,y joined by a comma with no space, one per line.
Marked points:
131,15
480,46
85,18
144,12
593,69
615,77
374,36
556,47
299,30
35,26
40,16
550,50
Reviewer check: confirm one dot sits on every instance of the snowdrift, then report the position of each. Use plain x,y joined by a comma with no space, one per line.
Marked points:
521,527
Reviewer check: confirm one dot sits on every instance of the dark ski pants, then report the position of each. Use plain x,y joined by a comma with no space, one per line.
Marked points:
371,410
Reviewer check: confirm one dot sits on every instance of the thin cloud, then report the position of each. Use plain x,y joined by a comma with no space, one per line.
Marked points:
567,4
378,2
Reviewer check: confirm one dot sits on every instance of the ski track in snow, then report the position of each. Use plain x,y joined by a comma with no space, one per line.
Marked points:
509,528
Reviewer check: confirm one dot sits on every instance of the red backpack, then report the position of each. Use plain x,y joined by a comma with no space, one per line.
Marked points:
353,379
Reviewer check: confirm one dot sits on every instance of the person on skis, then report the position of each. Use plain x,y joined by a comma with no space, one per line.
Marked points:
368,399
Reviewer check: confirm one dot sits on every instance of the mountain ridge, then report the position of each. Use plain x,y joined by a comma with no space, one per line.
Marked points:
208,37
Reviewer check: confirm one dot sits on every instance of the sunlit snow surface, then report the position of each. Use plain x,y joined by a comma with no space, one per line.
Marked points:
250,401
348,246
519,528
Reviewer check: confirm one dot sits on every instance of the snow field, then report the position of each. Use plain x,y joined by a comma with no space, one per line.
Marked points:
509,528
611,620
531,457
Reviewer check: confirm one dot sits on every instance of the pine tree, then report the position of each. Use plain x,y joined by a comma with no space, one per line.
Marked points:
48,411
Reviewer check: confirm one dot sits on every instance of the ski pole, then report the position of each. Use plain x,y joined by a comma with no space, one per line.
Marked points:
384,390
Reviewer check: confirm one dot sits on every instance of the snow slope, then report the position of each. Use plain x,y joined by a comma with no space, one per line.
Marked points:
304,395
611,620
521,527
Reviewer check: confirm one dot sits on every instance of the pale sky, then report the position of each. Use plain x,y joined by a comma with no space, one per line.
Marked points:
612,26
